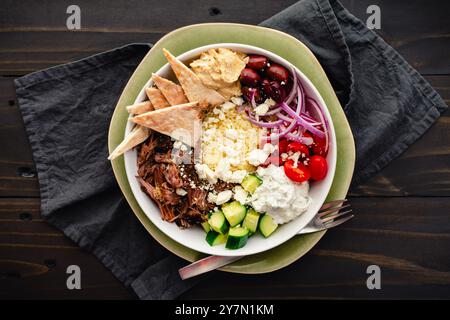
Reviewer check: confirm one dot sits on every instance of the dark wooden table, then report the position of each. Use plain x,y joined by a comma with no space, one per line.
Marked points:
402,218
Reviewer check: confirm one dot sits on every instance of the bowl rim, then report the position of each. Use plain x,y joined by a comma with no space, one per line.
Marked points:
190,54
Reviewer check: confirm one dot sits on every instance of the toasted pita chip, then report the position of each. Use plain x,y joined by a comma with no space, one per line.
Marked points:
140,108
156,98
138,135
171,91
193,87
181,122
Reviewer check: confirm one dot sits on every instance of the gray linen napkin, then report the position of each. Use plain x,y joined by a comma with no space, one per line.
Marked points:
67,109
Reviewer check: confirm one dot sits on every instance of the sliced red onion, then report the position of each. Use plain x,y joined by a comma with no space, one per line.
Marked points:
266,124
291,95
301,121
273,111
252,99
282,133
319,112
305,140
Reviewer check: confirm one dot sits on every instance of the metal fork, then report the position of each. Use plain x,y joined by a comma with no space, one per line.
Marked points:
331,214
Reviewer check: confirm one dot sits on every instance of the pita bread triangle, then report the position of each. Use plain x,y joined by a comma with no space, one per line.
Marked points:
181,122
171,91
156,98
193,87
136,136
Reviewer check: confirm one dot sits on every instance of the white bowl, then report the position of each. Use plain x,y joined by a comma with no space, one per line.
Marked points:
194,237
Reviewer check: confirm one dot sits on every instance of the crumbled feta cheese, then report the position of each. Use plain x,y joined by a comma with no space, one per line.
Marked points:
177,144
227,106
241,195
270,102
284,156
223,171
212,197
223,197
212,120
256,157
269,148
238,176
181,192
262,109
205,173
237,101
295,158
259,156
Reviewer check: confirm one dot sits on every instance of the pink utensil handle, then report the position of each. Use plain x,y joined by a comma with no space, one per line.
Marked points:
205,265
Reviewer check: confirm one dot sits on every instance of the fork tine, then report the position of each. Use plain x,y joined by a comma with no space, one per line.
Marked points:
331,210
334,216
332,204
334,223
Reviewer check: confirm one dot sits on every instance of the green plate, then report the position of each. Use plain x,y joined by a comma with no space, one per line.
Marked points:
286,46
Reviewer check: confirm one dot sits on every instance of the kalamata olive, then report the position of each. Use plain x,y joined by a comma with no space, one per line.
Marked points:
247,92
277,72
257,62
273,89
250,77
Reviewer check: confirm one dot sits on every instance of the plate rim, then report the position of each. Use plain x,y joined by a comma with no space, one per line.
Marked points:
189,254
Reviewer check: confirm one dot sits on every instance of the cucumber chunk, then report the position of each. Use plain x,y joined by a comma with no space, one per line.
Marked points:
234,212
214,238
237,238
251,220
206,227
218,223
267,226
251,182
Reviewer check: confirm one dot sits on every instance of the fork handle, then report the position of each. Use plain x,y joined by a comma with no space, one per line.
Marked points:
205,265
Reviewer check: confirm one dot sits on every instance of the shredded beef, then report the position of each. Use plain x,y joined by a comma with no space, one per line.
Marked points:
159,176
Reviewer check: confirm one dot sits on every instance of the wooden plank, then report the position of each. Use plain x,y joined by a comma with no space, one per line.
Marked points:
34,257
407,237
419,30
422,170
17,172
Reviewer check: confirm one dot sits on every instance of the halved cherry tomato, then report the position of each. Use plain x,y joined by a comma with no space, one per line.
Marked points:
300,173
318,167
295,146
318,147
282,146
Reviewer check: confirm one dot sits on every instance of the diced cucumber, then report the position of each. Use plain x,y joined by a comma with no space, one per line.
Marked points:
214,238
266,225
234,212
237,238
218,223
206,226
251,182
251,220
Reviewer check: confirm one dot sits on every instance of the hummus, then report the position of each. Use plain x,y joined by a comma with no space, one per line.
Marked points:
219,69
